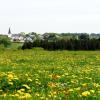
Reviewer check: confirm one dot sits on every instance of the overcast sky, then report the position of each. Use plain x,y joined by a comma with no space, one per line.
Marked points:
50,16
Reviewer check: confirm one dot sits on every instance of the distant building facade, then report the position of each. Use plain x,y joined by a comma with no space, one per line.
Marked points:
16,37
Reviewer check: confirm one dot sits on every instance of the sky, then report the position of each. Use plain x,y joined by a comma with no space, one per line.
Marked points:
42,16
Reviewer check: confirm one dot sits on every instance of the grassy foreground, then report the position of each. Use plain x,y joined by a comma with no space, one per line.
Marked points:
49,75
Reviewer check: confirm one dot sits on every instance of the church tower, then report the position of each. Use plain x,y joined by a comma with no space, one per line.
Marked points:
9,32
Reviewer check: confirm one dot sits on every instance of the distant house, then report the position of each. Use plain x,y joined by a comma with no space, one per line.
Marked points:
16,37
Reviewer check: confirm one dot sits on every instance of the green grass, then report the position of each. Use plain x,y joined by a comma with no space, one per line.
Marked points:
15,45
49,75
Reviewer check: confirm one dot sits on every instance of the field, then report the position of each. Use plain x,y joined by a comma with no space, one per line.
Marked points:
49,75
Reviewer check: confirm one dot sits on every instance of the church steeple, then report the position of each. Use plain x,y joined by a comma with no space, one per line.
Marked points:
9,31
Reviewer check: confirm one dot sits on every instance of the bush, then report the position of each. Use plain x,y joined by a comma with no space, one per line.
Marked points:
5,40
27,45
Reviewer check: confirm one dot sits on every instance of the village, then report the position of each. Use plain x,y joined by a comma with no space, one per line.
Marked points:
50,36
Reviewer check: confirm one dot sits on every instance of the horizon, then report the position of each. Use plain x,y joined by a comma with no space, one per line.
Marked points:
58,16
50,32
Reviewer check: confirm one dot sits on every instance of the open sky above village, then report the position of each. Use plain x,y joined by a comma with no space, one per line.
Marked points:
50,16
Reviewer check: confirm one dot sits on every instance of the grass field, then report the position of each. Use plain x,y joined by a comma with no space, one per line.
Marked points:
49,75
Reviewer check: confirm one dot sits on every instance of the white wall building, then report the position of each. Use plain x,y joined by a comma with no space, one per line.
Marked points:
16,37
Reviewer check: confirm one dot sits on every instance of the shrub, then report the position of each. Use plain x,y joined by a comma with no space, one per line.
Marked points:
5,40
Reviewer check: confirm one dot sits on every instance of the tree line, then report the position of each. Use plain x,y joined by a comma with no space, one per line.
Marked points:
64,41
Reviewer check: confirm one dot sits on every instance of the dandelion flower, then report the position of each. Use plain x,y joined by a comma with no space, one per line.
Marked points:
92,91
86,93
26,86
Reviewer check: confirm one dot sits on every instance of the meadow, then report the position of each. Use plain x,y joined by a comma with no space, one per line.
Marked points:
38,74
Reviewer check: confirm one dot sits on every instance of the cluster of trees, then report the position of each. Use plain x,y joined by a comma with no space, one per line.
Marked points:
5,40
64,41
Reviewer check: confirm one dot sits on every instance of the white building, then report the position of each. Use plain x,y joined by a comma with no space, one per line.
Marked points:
16,37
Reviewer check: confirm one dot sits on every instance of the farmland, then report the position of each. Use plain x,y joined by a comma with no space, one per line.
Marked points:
38,74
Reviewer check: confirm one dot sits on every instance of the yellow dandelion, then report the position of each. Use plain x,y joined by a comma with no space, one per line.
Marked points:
19,91
84,84
10,83
77,89
22,97
29,79
1,90
4,94
86,93
27,95
96,85
26,86
51,84
70,90
99,92
22,90
92,91
46,98
16,78
58,76
37,94
10,76
26,74
54,76
50,75
54,92
49,95
16,95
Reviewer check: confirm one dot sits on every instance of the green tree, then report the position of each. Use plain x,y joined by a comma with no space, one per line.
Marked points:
5,40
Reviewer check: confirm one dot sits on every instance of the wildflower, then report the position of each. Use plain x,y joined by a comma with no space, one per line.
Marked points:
92,91
22,97
10,76
51,84
99,92
84,85
29,79
26,74
42,98
19,91
74,76
4,94
57,76
77,89
26,86
66,74
37,94
12,95
46,98
64,84
86,93
50,75
70,90
15,78
16,94
74,81
1,90
54,92
27,95
36,79
49,95
10,83
96,85
22,90
54,76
